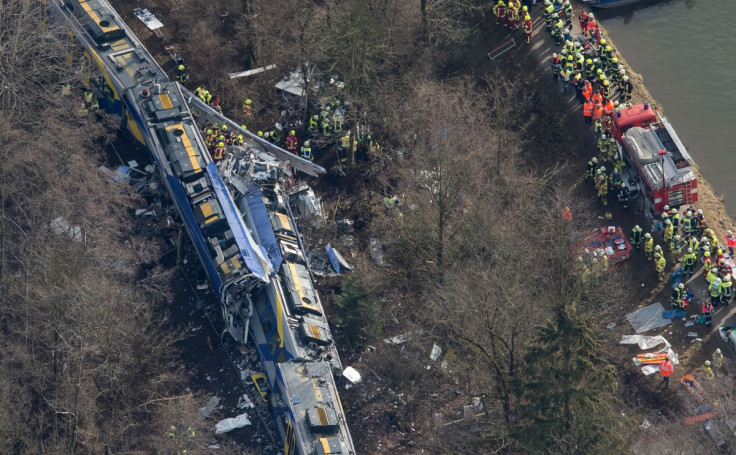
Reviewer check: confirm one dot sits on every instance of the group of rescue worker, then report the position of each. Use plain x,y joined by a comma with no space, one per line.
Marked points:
514,16
326,124
688,232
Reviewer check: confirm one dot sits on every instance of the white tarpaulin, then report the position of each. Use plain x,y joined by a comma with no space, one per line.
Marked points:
648,342
650,369
648,318
644,342
225,425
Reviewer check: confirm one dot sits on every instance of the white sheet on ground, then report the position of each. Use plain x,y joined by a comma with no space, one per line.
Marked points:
645,342
225,425
650,369
648,318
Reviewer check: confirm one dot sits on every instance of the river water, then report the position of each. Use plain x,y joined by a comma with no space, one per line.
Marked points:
684,50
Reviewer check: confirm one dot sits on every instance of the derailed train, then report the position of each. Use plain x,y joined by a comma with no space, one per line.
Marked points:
238,218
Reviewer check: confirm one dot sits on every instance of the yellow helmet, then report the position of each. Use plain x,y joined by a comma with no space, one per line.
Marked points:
221,144
248,101
260,134
606,82
292,132
240,137
603,41
244,127
527,18
224,127
500,2
525,8
209,131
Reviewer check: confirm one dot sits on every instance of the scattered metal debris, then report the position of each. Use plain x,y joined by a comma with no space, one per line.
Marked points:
252,72
399,339
352,375
436,353
338,262
207,410
60,226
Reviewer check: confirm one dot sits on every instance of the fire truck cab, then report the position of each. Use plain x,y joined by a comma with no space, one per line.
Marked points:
659,169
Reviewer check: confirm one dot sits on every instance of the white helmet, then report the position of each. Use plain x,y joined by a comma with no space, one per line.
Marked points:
603,168
689,250
595,160
666,207
681,286
554,54
637,227
306,143
667,222
603,136
700,211
657,255
707,363
718,350
648,235
657,248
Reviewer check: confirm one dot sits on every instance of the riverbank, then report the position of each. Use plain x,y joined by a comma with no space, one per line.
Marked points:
711,202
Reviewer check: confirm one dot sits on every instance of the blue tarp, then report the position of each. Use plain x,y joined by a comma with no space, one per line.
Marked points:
195,233
670,314
263,227
240,233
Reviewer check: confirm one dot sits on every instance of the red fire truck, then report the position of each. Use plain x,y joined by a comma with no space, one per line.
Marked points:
659,169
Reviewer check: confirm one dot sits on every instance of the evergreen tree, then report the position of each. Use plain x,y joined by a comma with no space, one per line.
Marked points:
566,396
358,310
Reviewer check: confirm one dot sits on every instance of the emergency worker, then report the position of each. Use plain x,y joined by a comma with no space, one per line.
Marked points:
726,290
528,28
291,142
499,10
707,370
677,294
591,169
588,111
707,312
636,236
659,265
666,369
628,89
730,242
707,264
248,108
556,65
718,358
219,153
307,151
648,246
181,74
688,223
689,262
676,245
668,231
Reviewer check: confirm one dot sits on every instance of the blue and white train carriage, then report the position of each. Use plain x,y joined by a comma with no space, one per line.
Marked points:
238,217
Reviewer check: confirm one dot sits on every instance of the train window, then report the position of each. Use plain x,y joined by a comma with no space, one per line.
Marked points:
267,321
274,342
261,302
